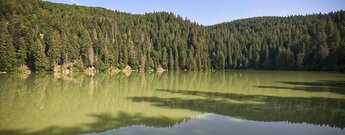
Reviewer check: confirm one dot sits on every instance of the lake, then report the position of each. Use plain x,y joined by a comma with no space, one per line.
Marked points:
174,103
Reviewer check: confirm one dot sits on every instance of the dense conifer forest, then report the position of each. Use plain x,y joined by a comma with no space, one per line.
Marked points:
41,34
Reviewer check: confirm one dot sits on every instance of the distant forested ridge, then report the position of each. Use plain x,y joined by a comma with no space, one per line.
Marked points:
42,34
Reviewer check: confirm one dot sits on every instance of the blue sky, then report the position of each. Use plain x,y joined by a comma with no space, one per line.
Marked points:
210,12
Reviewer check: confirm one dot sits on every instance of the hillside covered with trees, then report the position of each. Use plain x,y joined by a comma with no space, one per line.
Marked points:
41,34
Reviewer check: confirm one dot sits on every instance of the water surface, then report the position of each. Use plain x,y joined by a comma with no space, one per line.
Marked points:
229,102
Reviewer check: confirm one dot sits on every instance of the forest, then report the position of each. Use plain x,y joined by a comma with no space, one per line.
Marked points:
42,34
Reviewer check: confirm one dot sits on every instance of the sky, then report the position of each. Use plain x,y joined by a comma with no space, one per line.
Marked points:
209,12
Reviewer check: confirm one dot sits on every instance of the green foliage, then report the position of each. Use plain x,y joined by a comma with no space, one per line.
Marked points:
7,50
38,57
40,33
101,66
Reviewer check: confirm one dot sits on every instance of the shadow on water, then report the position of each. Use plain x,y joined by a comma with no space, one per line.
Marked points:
334,86
315,110
104,121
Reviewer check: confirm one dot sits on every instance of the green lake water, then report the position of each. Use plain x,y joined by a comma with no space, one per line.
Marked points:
174,103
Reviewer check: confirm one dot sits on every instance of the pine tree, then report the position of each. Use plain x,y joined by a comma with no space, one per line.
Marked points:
38,56
7,51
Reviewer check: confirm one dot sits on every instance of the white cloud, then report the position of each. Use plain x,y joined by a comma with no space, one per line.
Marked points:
74,1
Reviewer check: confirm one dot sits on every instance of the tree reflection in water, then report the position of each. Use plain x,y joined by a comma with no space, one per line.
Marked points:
314,110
